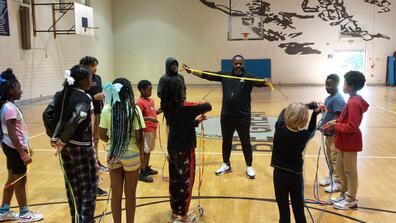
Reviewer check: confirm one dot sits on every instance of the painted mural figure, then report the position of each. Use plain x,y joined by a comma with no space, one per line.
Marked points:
332,11
335,12
383,4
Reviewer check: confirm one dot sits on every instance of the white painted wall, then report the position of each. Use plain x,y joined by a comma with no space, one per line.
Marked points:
41,69
147,32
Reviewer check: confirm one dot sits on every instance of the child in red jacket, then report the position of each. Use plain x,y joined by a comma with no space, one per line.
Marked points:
348,140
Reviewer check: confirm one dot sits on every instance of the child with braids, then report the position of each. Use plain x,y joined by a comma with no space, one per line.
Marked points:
67,121
181,120
14,140
121,126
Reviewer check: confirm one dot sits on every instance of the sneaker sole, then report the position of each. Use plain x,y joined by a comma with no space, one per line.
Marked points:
9,219
28,220
222,173
251,177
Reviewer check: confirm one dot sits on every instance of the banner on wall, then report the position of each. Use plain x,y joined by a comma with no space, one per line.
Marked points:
4,24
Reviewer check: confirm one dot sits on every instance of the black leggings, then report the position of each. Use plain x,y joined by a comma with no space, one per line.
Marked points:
242,126
286,183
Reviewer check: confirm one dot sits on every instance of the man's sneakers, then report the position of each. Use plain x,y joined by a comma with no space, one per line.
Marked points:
8,216
30,217
344,202
250,172
226,168
102,193
223,169
333,187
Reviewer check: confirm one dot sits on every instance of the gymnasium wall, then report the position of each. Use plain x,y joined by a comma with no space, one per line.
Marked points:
41,69
195,32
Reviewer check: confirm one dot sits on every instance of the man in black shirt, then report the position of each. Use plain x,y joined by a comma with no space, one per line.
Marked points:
235,112
97,99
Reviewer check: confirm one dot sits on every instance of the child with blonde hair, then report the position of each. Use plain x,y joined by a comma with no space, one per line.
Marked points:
290,139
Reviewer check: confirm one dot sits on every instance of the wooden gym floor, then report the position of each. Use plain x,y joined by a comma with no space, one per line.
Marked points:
233,197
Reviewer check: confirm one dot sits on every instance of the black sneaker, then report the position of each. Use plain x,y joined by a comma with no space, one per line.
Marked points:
102,193
143,176
151,171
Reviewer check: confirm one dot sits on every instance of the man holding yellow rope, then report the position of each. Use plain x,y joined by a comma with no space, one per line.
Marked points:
236,110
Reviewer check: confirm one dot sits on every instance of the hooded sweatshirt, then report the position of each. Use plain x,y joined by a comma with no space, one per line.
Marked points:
169,74
348,136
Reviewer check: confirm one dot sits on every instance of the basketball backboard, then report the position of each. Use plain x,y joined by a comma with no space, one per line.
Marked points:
84,22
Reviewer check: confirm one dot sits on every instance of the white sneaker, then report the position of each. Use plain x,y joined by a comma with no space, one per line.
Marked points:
325,181
223,169
250,172
338,199
346,204
333,187
9,216
30,217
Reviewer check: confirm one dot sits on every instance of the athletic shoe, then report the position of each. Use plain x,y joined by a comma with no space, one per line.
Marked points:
325,181
8,216
30,217
346,204
250,172
338,199
223,169
103,168
333,187
144,177
151,171
102,193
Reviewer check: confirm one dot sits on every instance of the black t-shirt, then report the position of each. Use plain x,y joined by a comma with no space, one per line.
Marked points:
96,88
182,134
289,145
236,100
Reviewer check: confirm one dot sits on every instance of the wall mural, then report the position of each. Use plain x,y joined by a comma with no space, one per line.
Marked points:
4,26
280,26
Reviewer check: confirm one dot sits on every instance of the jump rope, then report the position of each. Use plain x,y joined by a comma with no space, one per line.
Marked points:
317,200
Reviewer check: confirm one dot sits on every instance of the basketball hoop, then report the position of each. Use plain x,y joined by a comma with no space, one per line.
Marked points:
245,35
88,28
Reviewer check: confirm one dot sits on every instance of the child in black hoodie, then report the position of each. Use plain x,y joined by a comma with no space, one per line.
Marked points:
181,118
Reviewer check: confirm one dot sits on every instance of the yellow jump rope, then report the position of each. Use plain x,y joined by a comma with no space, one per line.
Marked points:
266,81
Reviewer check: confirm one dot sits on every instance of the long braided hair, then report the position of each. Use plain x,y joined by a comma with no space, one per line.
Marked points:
171,99
78,72
123,115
